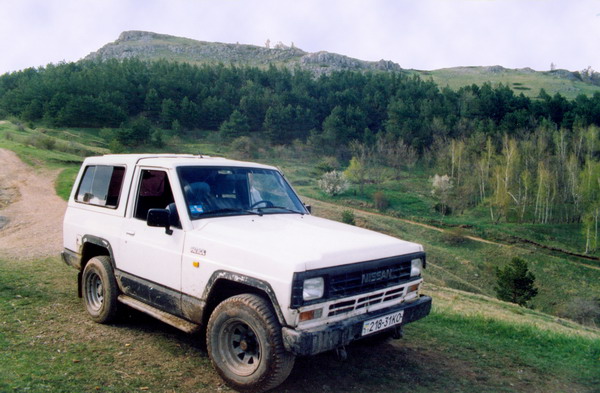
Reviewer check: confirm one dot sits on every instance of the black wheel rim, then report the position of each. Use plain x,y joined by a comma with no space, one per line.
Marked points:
240,347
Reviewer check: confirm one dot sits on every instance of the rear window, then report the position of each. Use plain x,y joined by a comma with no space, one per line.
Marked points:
101,185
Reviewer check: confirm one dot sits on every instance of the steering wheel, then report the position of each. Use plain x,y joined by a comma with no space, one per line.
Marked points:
267,204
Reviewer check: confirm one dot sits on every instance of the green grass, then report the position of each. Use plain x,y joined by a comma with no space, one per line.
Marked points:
521,81
49,344
64,181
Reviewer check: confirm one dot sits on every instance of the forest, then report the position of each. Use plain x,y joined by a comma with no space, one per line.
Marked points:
521,159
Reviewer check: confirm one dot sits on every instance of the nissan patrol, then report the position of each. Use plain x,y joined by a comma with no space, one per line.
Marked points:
228,247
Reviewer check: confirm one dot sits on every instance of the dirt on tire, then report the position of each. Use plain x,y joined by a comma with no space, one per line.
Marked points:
31,212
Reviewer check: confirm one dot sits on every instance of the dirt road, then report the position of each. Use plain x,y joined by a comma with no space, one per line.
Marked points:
32,213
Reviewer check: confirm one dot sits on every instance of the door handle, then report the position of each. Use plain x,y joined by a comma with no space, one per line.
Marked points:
130,233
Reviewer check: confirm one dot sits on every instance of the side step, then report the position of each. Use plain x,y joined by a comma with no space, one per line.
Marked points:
179,323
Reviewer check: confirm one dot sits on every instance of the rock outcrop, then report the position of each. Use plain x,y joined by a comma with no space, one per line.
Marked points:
152,46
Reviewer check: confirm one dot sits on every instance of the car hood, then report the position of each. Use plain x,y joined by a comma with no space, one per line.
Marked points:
301,242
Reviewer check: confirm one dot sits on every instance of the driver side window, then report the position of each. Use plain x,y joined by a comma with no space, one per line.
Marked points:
154,193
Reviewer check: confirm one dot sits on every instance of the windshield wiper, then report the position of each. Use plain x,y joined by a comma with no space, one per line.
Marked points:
280,207
233,210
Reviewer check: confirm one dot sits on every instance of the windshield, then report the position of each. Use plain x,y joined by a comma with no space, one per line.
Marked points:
225,191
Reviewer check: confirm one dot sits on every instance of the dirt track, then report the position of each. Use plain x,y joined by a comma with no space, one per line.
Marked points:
32,208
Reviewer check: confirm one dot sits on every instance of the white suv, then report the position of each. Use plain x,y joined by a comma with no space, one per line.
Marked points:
227,246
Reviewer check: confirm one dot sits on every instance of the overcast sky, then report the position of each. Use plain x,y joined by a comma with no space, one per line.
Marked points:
420,34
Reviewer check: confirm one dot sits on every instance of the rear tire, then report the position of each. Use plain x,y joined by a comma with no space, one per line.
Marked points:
245,345
99,289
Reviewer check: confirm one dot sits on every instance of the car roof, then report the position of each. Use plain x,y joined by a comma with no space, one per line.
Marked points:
169,161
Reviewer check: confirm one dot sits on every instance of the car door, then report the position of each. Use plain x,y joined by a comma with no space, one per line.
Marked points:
150,259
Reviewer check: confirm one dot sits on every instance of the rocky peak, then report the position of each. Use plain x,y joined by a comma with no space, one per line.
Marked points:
153,46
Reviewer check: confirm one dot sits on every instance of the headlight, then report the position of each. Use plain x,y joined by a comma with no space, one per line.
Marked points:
313,288
416,265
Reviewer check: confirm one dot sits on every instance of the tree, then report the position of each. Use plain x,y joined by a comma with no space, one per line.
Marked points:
236,126
135,133
153,105
356,173
168,112
441,188
515,283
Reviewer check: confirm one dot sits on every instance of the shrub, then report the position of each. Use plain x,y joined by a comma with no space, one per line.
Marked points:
243,147
158,139
454,236
333,183
348,217
42,142
380,200
583,311
116,147
327,164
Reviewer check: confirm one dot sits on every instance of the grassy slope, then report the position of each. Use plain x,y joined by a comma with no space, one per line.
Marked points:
521,81
468,344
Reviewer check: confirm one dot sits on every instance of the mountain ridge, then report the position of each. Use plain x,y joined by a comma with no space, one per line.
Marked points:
153,46
150,46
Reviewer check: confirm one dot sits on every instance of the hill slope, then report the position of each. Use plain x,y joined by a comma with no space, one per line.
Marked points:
524,80
470,342
152,46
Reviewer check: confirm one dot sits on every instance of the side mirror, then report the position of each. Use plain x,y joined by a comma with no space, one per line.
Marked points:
309,208
159,218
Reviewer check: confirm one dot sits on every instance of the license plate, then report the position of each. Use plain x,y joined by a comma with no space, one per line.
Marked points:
377,324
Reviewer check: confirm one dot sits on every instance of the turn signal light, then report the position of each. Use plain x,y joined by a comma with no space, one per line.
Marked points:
312,314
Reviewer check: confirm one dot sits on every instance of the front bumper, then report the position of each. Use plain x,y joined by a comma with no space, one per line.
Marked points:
325,338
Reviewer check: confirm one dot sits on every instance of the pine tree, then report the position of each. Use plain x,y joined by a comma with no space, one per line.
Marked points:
515,282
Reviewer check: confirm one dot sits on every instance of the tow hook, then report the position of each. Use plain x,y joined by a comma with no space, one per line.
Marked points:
340,353
398,333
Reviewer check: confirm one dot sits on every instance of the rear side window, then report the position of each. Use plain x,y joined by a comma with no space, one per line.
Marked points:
101,185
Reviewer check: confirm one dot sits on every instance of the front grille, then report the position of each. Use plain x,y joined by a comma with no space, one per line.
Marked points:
368,280
372,299
355,279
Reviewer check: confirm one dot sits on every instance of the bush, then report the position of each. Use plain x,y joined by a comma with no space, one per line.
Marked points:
333,183
348,217
42,142
135,132
327,164
116,147
158,139
444,210
381,201
583,311
454,236
243,147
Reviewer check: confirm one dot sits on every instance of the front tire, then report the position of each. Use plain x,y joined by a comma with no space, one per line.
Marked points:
99,289
245,345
